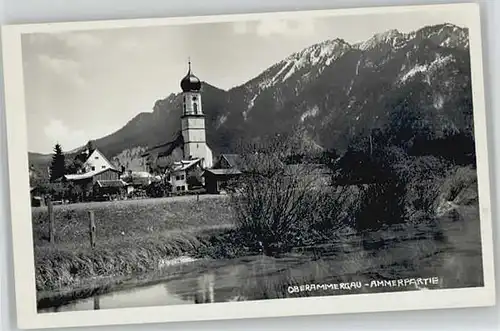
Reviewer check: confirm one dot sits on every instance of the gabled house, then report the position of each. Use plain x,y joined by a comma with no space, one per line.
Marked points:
228,161
183,175
110,188
227,168
96,162
218,180
95,172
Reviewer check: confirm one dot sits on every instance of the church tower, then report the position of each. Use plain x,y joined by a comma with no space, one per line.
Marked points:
193,121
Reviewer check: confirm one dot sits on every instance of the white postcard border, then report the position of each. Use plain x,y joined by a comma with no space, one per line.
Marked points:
16,132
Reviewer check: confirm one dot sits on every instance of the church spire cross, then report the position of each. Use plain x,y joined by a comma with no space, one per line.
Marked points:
189,64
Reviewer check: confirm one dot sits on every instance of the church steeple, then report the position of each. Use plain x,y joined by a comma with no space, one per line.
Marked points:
190,83
193,120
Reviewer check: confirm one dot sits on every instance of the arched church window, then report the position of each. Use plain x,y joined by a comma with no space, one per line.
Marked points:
195,107
184,107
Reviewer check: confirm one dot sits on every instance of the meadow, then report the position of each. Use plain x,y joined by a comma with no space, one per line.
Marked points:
133,237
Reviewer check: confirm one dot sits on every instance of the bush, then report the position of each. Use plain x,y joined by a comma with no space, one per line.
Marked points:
460,186
273,208
279,205
158,189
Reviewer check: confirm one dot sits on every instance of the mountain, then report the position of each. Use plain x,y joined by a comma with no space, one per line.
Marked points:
333,91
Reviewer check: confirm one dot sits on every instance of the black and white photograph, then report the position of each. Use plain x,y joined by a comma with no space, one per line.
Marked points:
274,157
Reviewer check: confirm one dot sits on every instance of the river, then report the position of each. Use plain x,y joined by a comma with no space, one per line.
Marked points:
455,260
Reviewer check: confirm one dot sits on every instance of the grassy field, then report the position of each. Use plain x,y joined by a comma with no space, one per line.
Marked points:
129,219
132,237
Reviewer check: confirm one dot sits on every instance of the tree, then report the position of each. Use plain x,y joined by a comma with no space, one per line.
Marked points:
77,163
275,203
195,178
90,147
58,164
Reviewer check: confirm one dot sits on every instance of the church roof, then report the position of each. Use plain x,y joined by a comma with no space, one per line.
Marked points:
167,148
190,83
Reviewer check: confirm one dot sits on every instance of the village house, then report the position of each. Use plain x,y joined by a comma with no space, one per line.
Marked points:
228,161
37,199
137,180
97,176
181,174
218,180
226,168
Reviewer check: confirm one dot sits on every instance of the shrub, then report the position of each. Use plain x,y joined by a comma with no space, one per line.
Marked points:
273,207
460,185
279,205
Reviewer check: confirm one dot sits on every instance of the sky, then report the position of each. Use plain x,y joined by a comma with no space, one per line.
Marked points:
84,85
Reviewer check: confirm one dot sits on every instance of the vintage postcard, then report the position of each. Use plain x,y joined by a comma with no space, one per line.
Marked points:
242,166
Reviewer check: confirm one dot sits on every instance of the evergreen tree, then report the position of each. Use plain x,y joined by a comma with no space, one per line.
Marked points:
90,147
58,164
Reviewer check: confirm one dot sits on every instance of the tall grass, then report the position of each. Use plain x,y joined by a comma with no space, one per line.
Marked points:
132,238
129,219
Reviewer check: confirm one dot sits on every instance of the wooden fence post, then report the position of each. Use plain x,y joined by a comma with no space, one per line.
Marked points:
97,302
50,209
92,229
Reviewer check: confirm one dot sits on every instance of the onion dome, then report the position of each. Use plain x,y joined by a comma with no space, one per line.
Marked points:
190,83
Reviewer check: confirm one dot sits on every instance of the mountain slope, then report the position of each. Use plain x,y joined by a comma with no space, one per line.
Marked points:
333,91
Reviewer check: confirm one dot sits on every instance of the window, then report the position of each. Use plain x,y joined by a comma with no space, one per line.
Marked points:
97,158
194,99
93,168
178,188
195,107
182,177
177,178
103,167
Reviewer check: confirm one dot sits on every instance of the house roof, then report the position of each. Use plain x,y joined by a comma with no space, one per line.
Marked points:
87,175
141,174
185,164
234,160
223,171
111,183
98,152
